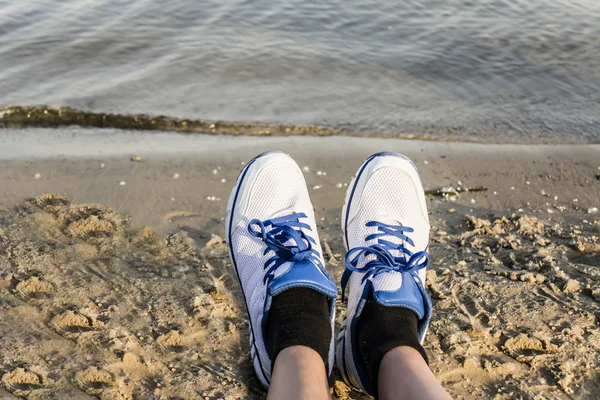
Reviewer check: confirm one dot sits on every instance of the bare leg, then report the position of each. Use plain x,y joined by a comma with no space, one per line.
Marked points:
299,373
404,374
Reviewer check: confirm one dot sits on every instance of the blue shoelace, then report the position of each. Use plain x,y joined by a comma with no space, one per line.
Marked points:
385,261
282,230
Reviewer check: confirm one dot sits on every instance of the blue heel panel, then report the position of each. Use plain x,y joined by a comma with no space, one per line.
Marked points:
408,296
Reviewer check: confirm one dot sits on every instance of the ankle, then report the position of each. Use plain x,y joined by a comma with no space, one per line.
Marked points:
291,323
405,353
382,330
299,373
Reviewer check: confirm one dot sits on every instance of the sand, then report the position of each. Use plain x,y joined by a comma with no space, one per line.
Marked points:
118,291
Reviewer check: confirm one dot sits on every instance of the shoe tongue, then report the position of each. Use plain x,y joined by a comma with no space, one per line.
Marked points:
303,274
387,281
391,238
284,212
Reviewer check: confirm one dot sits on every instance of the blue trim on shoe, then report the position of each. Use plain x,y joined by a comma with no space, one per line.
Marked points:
239,185
407,296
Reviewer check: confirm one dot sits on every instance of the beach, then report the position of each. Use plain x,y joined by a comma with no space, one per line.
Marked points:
124,126
115,280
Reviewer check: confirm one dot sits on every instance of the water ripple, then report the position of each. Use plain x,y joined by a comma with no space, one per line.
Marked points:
493,70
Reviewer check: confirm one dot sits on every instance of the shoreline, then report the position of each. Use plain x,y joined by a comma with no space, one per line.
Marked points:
23,117
89,166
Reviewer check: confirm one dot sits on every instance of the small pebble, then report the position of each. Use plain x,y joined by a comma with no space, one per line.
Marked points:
37,176
172,198
305,168
102,165
528,183
338,185
215,172
321,173
176,176
425,162
317,187
512,188
550,211
593,210
223,180
495,193
473,201
555,198
136,158
122,183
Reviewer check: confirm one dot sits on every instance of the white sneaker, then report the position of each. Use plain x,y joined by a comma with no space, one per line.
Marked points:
274,245
386,233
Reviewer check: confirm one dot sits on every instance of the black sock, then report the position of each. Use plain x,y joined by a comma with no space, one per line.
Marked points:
381,329
299,317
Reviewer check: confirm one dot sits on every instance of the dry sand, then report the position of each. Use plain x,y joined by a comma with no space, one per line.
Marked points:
126,291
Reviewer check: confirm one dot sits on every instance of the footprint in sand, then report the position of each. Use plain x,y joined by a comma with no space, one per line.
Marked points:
87,222
93,380
33,287
526,345
20,381
171,340
70,323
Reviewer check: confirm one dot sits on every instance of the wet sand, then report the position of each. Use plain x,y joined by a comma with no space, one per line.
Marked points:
119,284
